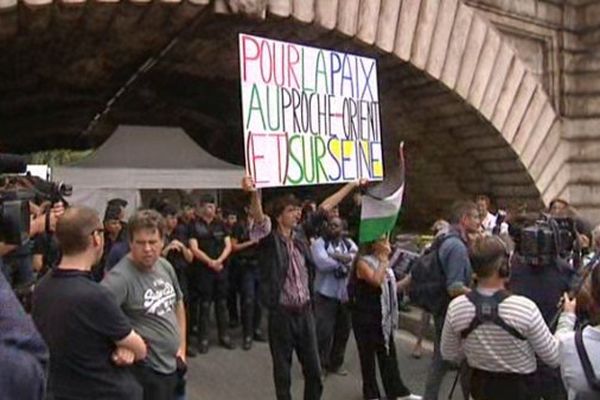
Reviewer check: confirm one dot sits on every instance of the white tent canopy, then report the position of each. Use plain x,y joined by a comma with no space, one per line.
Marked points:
144,157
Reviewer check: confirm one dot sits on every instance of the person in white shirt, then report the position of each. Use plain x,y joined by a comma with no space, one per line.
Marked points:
581,385
490,221
499,334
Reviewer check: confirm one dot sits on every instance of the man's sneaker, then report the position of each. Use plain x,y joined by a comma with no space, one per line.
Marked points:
226,342
247,345
410,397
417,352
203,346
340,371
259,336
190,352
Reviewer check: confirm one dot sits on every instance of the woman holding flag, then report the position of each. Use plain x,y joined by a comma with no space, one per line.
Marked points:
374,307
372,289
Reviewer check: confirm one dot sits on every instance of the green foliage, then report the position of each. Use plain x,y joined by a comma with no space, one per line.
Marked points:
58,157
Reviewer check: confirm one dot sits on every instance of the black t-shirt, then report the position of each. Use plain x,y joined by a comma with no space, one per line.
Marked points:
176,258
47,245
544,285
210,237
242,234
80,322
182,232
313,224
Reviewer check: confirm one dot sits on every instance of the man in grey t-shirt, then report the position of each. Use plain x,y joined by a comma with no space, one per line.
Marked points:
146,288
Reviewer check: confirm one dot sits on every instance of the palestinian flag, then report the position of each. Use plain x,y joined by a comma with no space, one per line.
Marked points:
381,204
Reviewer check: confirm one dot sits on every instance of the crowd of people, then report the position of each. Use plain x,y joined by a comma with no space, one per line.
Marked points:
121,305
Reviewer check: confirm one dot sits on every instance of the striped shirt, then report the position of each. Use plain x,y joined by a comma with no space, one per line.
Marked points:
490,347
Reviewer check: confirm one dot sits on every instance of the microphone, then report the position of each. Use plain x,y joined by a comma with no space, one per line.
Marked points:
12,164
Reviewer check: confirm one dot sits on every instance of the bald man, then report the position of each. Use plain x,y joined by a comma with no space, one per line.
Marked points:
90,339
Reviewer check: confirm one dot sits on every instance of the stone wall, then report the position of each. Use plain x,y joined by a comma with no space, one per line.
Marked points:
582,107
505,108
560,42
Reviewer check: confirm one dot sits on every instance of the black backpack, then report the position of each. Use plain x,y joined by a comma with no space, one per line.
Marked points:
588,369
486,311
428,282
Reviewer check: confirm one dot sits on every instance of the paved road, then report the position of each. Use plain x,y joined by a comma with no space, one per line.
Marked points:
237,374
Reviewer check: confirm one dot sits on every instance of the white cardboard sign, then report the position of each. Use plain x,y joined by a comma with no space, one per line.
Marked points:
310,116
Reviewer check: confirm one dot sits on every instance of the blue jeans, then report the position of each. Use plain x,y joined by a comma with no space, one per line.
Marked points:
251,311
439,367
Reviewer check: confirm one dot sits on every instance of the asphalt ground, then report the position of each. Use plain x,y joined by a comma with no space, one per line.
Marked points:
237,374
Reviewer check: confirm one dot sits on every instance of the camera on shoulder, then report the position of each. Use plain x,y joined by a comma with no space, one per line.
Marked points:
16,191
541,241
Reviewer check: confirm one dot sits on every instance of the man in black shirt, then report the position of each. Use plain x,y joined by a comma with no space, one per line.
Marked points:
89,337
175,251
246,263
180,257
211,246
234,272
545,286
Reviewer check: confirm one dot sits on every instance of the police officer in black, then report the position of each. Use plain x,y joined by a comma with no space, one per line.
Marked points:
211,246
246,262
543,280
180,257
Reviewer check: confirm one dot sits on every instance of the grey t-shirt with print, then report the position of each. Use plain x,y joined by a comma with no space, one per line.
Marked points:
149,299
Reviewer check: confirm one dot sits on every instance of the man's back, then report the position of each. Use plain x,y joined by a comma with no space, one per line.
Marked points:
544,285
80,322
491,348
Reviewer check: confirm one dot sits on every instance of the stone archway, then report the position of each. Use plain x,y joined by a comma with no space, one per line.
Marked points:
454,89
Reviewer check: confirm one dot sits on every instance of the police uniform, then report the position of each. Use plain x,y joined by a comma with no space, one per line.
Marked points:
247,264
211,285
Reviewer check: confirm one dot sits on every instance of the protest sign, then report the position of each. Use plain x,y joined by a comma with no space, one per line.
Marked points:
310,116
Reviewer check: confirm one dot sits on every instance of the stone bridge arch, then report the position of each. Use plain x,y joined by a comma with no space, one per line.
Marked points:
452,86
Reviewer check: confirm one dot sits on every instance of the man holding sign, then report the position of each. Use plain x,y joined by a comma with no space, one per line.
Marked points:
286,285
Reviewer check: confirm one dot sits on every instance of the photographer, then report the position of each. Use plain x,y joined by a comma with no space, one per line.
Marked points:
539,273
499,333
333,254
582,229
19,262
580,349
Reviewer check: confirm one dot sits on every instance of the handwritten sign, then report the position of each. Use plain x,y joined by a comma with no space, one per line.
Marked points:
310,116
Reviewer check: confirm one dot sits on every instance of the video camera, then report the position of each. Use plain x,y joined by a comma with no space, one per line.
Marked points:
15,193
546,239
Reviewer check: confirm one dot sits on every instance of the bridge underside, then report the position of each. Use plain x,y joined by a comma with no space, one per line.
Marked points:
61,65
